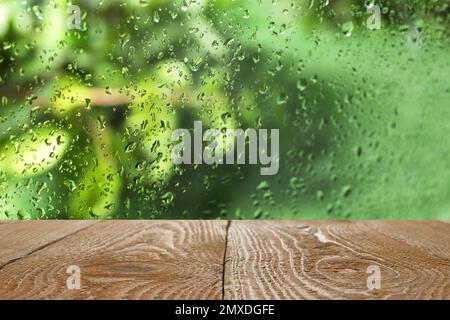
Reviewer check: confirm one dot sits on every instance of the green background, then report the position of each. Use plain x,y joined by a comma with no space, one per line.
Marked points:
86,115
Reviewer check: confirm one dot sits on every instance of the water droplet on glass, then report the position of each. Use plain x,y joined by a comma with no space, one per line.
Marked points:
347,28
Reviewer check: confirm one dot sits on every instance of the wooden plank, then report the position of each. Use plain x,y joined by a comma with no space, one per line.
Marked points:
20,238
330,260
125,260
8,221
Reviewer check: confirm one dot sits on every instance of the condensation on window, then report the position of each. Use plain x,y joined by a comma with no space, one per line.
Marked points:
91,93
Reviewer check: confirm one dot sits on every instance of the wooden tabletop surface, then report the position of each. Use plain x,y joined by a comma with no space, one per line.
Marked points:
226,259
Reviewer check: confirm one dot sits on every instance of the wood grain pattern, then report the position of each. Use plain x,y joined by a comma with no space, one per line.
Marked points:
125,260
216,259
329,260
20,238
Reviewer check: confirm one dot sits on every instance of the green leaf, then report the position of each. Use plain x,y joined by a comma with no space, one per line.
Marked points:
97,192
34,152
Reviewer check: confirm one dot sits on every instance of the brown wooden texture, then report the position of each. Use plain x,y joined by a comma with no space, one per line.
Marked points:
219,259
20,238
125,260
330,260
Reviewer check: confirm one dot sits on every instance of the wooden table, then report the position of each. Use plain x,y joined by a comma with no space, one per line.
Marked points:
225,260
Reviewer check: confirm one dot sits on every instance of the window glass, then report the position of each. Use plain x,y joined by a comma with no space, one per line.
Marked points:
205,109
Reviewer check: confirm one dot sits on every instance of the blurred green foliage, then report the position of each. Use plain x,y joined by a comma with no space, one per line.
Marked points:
86,115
